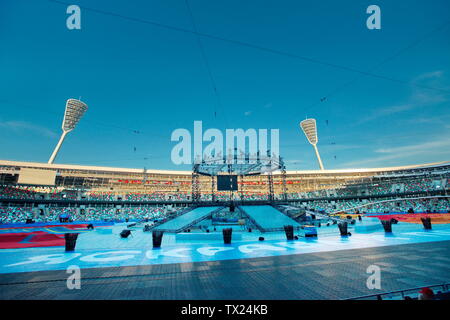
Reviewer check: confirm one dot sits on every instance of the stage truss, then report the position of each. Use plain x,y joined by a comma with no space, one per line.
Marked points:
246,166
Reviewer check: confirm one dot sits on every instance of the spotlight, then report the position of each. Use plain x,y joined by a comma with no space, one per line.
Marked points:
125,233
309,127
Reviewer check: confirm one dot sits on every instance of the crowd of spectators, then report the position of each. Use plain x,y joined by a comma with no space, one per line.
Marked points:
418,206
36,193
375,189
15,214
18,193
101,196
381,189
53,214
382,205
157,196
419,185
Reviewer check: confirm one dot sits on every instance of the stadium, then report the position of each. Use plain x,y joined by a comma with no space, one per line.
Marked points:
131,205
42,204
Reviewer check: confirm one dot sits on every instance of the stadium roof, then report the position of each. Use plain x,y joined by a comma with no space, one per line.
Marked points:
175,172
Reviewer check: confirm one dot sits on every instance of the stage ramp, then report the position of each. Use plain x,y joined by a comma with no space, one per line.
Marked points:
268,219
187,220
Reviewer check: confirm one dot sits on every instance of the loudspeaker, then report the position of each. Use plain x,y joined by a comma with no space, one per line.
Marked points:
71,241
125,233
343,227
289,231
227,233
387,225
426,223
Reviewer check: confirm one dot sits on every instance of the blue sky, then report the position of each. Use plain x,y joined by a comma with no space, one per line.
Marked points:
137,76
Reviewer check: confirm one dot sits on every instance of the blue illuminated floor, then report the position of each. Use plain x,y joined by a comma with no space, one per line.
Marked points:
96,250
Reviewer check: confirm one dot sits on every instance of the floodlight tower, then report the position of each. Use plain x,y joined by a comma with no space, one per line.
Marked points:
74,111
309,127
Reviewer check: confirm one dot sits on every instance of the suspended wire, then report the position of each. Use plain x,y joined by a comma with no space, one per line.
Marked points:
390,58
257,47
207,65
121,160
261,48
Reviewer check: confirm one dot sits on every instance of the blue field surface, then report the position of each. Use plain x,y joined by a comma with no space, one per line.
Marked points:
96,250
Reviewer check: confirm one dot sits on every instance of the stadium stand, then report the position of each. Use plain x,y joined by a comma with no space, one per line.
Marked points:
118,194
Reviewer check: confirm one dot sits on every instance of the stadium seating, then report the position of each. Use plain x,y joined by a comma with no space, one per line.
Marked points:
397,187
20,215
381,205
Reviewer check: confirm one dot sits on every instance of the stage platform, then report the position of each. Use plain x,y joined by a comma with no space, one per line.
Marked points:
186,219
267,218
320,275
